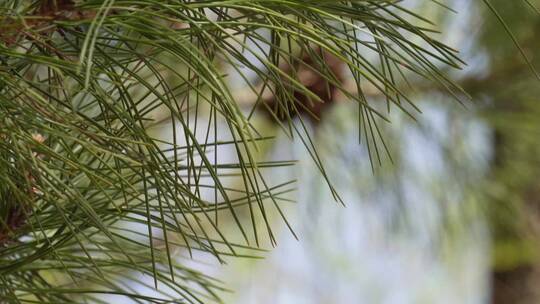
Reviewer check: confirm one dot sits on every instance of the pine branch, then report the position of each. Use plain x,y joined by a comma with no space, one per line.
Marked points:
108,199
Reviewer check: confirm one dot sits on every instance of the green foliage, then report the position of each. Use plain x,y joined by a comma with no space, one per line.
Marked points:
100,199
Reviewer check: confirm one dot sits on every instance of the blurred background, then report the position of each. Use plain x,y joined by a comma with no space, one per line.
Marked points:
452,217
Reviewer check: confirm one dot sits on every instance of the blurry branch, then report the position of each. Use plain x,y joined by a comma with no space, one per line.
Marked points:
308,72
247,97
